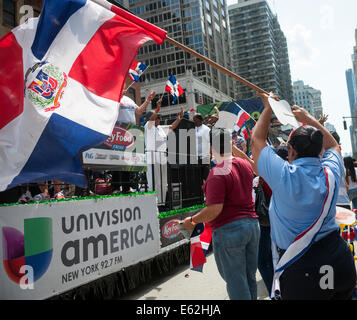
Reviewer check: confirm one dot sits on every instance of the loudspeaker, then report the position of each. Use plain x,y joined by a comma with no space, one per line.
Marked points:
180,152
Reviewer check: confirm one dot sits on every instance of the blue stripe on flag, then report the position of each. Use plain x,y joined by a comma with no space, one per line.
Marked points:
56,155
172,79
53,17
229,107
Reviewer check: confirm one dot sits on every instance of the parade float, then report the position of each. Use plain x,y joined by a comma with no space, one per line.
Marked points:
98,246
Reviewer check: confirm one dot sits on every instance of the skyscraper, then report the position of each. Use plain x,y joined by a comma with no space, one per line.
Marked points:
308,98
259,49
352,96
200,25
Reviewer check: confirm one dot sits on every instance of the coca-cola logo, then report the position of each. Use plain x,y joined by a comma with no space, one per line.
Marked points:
120,139
169,229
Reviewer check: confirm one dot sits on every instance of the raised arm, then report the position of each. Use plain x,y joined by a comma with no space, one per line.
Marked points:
177,121
236,152
303,115
261,128
139,111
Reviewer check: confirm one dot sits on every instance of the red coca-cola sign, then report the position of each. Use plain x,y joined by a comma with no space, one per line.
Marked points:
120,139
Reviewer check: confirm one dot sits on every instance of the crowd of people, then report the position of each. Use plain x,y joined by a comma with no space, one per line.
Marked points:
273,211
293,236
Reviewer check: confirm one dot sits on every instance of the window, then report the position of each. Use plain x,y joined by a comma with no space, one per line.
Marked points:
8,12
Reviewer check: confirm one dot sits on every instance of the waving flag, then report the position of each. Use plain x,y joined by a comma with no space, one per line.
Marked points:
242,118
200,240
173,87
136,70
228,115
254,107
62,76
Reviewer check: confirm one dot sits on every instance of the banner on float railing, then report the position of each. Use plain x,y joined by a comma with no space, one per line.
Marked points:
124,149
49,248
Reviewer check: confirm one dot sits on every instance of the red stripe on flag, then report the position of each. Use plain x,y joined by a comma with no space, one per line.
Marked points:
243,117
11,79
103,64
158,35
197,256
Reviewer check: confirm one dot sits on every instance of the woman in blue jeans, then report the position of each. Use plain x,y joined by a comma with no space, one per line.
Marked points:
231,216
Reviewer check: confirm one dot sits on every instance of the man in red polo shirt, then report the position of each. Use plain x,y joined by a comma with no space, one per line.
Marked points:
231,216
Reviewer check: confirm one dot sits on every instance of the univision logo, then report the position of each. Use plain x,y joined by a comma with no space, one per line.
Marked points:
32,248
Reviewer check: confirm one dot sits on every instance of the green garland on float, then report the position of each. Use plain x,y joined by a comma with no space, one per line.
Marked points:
98,197
79,198
178,211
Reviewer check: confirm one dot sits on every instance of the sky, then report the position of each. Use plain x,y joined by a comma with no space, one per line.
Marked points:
321,36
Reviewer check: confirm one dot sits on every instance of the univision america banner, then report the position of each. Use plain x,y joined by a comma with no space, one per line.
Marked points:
49,248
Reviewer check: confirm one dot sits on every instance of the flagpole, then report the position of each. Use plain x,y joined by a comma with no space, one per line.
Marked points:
107,5
216,65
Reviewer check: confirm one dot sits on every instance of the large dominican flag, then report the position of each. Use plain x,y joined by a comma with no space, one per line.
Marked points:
61,78
173,87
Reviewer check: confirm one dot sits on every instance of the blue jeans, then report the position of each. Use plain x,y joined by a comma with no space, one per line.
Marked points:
235,248
265,258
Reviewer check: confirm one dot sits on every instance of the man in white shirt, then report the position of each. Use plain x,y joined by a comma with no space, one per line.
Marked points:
202,145
129,112
156,145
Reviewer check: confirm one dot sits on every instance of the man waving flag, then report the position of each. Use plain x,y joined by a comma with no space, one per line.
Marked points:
62,76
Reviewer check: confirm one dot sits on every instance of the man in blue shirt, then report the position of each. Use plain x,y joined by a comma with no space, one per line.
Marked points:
303,208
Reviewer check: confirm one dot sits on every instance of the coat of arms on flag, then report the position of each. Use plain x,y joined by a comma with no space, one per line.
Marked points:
173,87
136,70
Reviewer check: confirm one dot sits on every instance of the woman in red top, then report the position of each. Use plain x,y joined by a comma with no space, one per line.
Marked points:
230,214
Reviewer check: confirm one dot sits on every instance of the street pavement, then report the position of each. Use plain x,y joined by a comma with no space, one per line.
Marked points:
185,284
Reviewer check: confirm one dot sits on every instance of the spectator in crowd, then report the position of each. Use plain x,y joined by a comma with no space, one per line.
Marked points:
231,216
240,142
156,147
58,192
44,195
129,112
302,210
211,119
202,145
26,194
351,180
102,184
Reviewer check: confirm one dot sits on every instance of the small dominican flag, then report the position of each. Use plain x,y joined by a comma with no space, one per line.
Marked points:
136,70
173,87
200,240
